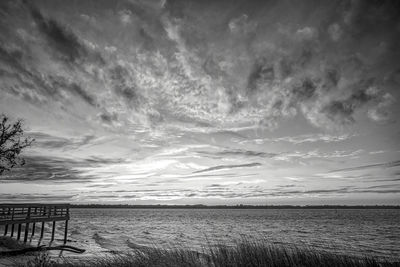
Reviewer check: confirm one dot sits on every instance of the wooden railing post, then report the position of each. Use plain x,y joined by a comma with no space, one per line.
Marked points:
12,218
42,231
19,232
33,229
53,230
6,226
65,231
27,225
5,229
34,224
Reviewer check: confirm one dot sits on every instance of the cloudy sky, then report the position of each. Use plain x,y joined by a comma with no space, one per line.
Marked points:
213,102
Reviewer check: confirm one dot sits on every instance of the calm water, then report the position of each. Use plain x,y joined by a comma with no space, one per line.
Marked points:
357,232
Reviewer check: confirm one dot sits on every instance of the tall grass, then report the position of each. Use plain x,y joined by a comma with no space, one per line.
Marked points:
246,253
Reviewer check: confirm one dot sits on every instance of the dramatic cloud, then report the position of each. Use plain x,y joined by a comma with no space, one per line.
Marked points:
294,70
167,92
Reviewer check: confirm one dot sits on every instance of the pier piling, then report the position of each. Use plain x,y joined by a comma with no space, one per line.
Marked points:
42,231
33,229
19,232
26,232
65,232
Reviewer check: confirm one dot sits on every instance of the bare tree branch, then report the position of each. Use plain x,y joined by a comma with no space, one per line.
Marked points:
12,143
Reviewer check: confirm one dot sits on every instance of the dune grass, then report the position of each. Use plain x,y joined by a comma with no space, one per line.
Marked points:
245,253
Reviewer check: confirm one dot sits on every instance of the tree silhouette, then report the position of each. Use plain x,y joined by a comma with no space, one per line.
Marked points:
12,143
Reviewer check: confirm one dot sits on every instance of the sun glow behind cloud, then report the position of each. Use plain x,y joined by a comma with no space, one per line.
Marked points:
209,102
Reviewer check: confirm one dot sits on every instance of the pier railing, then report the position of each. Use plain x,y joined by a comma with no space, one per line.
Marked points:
30,214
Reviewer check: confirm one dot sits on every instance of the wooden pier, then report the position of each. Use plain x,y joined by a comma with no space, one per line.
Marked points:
12,215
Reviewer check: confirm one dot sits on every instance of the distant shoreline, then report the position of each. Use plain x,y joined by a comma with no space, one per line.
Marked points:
114,206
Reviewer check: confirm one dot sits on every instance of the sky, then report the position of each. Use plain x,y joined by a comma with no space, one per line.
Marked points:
203,102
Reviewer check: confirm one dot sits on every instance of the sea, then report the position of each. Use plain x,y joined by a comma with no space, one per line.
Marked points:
358,232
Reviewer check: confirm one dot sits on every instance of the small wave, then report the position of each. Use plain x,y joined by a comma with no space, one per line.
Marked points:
103,242
75,232
132,245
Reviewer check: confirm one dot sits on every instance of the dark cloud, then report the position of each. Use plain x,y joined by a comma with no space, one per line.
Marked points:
4,197
304,90
390,164
391,186
225,167
387,191
32,84
45,169
212,68
63,40
287,186
59,83
77,89
385,180
262,72
342,111
322,191
48,141
55,169
124,86
238,152
11,56
333,191
266,68
24,76
44,140
108,118
221,175
214,185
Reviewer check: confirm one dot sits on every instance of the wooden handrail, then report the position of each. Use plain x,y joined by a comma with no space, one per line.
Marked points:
26,213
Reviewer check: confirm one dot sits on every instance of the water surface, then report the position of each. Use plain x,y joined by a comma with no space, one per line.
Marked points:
357,232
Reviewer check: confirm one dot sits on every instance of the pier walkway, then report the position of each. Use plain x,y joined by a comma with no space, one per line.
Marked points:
30,214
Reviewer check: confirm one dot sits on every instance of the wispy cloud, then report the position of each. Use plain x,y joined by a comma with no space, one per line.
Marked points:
383,165
227,167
